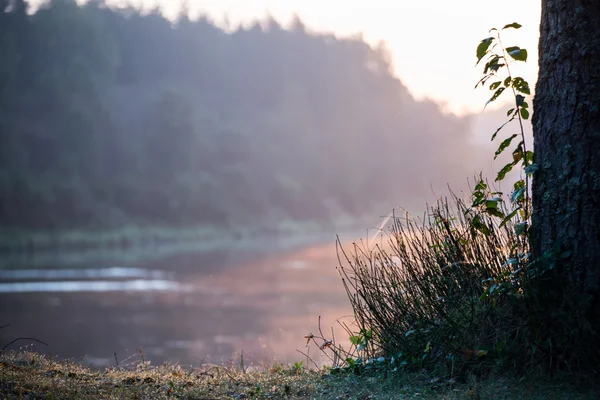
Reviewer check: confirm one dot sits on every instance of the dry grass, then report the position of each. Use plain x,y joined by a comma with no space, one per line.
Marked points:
26,375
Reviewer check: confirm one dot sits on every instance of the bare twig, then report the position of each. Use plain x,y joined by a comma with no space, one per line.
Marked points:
23,338
308,358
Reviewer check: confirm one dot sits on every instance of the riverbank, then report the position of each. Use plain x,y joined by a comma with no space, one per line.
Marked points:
26,375
135,244
205,237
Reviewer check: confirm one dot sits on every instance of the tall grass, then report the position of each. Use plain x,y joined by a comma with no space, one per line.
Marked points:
438,292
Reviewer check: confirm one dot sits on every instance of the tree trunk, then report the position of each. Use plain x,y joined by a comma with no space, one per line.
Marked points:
566,131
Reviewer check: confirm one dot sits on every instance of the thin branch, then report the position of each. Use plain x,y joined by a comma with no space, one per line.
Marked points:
308,358
23,338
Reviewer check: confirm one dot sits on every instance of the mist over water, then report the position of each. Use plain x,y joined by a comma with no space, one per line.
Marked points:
174,187
209,309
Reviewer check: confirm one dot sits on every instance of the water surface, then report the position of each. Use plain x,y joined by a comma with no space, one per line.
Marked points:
187,307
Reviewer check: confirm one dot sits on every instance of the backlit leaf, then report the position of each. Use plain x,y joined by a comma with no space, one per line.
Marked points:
517,194
509,217
483,48
496,95
521,85
480,226
502,126
514,25
505,170
495,85
495,212
518,153
505,143
530,169
517,53
492,203
481,185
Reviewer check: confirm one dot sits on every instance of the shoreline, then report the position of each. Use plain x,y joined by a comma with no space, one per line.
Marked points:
21,240
147,248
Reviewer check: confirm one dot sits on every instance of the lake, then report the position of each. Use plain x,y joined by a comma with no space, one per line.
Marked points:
175,305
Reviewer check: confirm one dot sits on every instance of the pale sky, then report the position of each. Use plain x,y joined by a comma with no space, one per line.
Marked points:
432,42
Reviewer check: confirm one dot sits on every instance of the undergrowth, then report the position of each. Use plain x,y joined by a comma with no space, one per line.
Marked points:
437,294
456,292
449,306
26,375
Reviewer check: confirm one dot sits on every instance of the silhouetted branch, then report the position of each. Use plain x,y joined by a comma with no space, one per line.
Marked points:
23,338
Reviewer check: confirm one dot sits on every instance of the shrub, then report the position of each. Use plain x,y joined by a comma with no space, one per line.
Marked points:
439,292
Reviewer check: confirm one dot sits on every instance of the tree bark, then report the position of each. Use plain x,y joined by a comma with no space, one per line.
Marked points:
566,131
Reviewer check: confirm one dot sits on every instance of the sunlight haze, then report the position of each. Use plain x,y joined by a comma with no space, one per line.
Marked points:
432,42
179,176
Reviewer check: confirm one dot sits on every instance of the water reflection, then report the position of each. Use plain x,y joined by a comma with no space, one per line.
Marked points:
83,273
136,285
188,308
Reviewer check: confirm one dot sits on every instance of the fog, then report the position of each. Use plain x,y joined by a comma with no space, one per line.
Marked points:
126,129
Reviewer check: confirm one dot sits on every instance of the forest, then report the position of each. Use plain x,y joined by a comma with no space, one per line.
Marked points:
112,117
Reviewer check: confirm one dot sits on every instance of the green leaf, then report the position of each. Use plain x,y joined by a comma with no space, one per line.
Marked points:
483,80
510,112
495,212
524,113
493,64
519,184
509,217
518,153
517,53
505,170
520,228
517,194
514,25
492,203
478,199
481,185
505,143
529,156
480,226
495,96
355,340
520,100
521,85
495,85
530,169
483,47
502,126
507,82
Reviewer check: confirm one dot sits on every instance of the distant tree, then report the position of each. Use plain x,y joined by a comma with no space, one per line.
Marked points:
115,116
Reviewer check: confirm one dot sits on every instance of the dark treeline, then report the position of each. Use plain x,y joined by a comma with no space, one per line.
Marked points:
112,117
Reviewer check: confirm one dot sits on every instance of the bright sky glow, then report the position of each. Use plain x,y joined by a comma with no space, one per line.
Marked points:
432,42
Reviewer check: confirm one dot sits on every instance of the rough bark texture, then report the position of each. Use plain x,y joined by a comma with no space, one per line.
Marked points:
566,130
